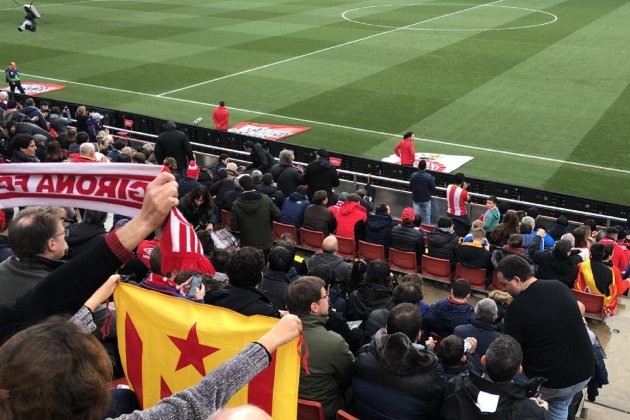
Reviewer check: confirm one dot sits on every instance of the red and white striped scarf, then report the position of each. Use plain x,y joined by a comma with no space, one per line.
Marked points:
114,188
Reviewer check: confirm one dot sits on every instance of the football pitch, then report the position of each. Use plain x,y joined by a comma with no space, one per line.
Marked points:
535,90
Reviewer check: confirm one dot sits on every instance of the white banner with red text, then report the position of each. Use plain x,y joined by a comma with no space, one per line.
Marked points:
112,188
267,131
34,88
435,161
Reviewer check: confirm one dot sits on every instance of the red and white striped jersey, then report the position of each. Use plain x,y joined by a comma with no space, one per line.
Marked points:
457,198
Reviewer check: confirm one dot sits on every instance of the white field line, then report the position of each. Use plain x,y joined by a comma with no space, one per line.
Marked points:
51,4
297,57
344,127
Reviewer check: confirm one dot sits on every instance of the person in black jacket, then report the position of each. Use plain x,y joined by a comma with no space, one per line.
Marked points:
374,293
558,263
271,190
242,295
24,149
321,175
275,281
83,235
261,158
475,254
513,400
443,241
174,143
287,177
407,237
393,377
378,227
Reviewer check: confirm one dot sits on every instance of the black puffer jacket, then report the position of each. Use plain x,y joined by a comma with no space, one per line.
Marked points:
83,235
394,379
261,159
321,175
272,192
378,229
405,237
173,143
366,298
287,178
442,244
552,266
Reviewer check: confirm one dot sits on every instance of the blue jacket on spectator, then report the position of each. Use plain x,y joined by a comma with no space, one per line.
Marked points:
293,209
547,240
378,229
444,315
422,184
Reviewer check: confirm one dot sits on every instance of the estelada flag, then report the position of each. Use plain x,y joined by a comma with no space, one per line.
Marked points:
168,344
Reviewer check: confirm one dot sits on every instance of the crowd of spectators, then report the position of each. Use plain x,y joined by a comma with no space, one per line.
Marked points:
376,348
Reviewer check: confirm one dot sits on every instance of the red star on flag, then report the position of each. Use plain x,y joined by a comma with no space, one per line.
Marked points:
192,352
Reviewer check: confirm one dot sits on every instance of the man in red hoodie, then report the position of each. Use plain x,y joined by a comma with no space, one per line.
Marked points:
405,150
349,215
220,116
619,258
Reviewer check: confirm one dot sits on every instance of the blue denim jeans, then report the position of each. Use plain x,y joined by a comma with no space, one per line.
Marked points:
560,399
424,210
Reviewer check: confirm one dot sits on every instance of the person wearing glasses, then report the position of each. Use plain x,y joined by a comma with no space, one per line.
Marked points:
328,371
38,240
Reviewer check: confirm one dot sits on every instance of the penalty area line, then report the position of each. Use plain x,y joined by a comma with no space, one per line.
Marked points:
344,127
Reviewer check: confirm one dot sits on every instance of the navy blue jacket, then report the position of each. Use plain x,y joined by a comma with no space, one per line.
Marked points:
378,229
31,111
421,184
484,332
444,315
293,209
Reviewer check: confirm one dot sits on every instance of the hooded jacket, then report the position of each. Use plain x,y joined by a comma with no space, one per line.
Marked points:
247,301
272,192
366,298
274,285
513,403
252,216
442,244
378,229
321,175
394,379
293,210
551,266
220,189
349,214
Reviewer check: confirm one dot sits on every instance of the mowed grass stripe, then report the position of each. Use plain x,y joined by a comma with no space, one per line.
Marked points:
553,98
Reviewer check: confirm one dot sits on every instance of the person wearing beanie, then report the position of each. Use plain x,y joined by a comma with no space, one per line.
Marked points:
189,182
343,197
174,143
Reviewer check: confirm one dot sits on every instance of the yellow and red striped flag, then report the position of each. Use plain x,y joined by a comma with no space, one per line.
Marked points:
168,344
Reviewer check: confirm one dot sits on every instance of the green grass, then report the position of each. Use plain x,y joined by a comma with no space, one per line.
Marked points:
558,91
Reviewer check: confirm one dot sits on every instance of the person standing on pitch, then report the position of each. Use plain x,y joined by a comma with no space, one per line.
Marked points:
220,116
405,150
12,76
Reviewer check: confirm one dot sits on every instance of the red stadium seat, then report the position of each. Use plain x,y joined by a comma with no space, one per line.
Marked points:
344,415
346,248
311,239
310,410
475,276
436,269
280,228
405,262
427,228
370,252
594,304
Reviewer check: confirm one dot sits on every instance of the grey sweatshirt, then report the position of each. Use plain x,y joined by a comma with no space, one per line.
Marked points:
212,392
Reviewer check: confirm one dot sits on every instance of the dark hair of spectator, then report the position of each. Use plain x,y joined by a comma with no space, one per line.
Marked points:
267,179
245,267
459,178
612,233
378,272
460,288
280,259
82,137
95,217
21,141
492,198
71,379
220,259
515,241
581,234
246,182
533,212
408,134
405,318
155,260
512,266
248,144
601,252
444,222
53,151
205,238
319,197
31,229
302,293
591,224
199,191
422,165
503,358
381,209
560,249
451,350
406,293
323,272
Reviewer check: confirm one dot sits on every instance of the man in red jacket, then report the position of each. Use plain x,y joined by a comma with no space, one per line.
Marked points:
220,116
405,150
